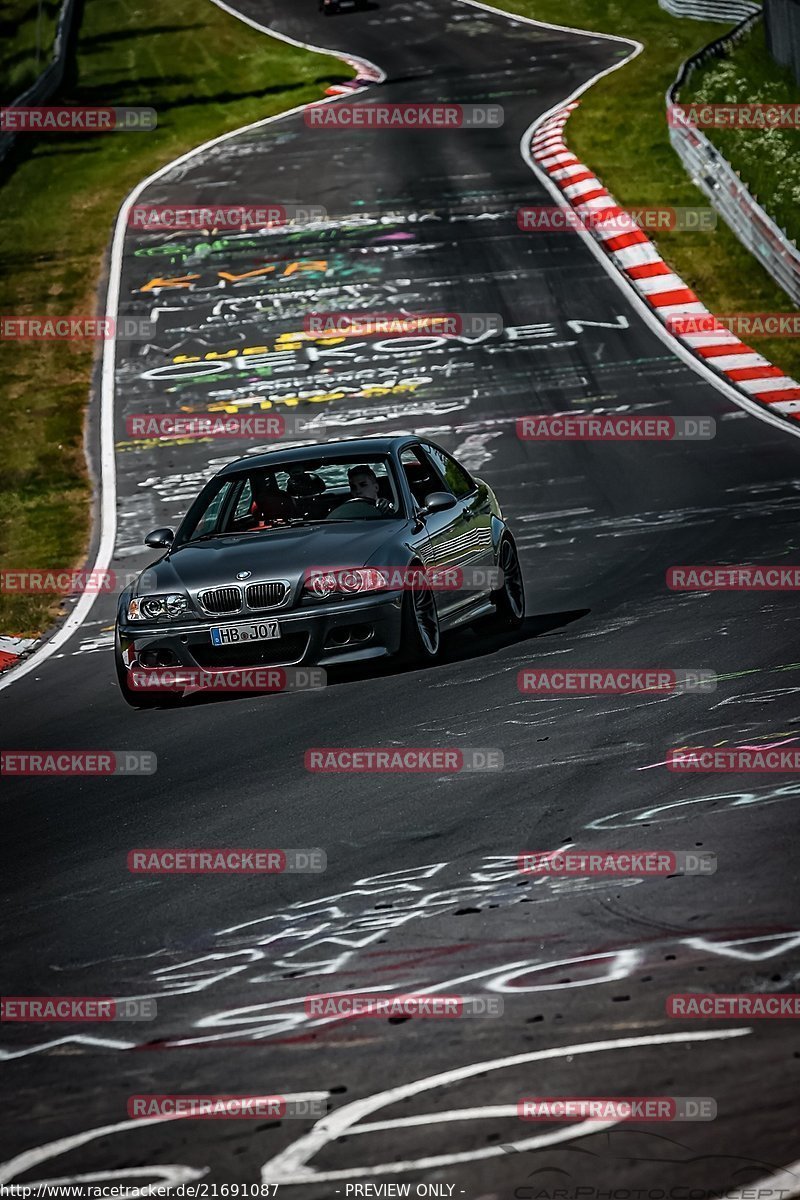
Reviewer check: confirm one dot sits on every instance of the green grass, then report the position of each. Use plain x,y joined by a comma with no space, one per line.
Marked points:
27,32
768,160
205,73
620,131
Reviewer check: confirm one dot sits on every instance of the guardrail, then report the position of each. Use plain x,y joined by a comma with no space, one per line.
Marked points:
51,77
711,10
711,172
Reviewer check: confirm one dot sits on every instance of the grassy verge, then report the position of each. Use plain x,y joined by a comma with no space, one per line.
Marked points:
205,73
27,33
620,131
767,160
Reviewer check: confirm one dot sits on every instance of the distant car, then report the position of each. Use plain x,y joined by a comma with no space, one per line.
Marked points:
321,555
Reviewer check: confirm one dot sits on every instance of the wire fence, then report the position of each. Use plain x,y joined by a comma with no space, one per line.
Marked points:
711,172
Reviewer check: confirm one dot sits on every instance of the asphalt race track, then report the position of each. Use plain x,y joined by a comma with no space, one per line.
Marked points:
421,891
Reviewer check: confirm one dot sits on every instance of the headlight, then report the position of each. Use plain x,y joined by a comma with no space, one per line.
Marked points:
350,581
158,608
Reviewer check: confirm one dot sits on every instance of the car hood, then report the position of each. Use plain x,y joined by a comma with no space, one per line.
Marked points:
274,554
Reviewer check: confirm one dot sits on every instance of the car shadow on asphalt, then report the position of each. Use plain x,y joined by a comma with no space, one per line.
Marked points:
461,645
458,646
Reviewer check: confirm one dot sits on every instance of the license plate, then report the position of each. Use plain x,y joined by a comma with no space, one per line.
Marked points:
233,635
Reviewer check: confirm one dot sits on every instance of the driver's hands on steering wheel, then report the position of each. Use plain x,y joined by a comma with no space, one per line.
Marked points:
361,505
383,506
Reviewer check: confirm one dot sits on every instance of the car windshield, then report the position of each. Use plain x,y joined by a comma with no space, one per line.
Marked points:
302,492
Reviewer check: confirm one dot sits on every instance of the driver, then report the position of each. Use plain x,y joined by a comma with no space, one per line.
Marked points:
364,486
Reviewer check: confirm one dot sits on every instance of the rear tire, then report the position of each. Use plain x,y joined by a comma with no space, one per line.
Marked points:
420,634
509,600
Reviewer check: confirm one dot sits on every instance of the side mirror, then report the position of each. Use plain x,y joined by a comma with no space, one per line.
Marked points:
437,502
159,539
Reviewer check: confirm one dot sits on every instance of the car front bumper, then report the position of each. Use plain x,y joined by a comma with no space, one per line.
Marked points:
324,635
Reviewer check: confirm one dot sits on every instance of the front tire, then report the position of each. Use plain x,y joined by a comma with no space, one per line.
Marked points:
420,634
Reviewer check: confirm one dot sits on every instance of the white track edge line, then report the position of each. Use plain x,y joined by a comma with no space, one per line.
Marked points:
107,460
107,484
615,273
637,301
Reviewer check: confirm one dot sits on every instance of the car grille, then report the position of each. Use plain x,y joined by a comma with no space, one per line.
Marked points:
222,600
282,651
266,595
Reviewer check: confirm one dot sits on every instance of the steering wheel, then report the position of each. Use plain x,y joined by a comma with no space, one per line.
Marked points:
369,509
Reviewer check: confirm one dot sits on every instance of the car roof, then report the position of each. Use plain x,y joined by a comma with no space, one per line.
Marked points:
347,448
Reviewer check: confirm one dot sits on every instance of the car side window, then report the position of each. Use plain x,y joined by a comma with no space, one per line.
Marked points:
422,479
244,503
455,478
